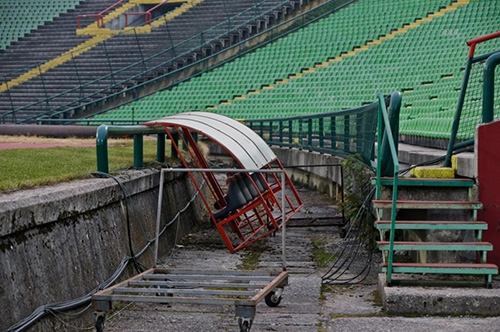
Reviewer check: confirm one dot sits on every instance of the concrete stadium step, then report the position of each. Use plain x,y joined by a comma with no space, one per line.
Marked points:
437,246
448,205
432,224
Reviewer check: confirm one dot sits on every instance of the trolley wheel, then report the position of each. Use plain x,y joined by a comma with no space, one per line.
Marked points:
245,324
99,324
272,299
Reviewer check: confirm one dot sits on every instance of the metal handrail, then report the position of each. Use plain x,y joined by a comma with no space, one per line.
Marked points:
54,113
140,63
489,87
148,14
100,19
104,131
100,15
385,135
463,89
317,132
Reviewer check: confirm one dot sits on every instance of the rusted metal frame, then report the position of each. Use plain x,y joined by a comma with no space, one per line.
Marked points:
203,164
281,280
100,19
183,300
291,187
198,160
219,226
105,292
244,210
247,224
183,161
174,291
156,283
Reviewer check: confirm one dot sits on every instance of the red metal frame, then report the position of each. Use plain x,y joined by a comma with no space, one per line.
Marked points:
256,218
488,140
149,16
100,15
473,42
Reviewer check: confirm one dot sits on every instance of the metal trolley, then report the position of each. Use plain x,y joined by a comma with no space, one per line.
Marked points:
243,289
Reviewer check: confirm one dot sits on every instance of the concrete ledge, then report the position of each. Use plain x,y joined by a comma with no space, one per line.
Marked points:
465,163
439,301
25,209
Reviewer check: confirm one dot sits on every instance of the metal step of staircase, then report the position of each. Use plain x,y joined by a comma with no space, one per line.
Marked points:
453,205
444,268
432,224
437,246
382,205
429,182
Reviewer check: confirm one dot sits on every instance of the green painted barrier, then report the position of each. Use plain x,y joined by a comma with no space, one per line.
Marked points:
104,131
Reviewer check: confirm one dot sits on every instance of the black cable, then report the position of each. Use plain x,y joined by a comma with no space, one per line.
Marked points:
357,237
138,267
47,309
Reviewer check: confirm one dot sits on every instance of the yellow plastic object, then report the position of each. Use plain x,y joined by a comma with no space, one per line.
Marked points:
433,172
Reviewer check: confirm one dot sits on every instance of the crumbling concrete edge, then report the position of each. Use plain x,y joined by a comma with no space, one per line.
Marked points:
438,301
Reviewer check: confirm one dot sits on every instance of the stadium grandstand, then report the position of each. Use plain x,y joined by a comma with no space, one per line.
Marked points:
71,61
342,62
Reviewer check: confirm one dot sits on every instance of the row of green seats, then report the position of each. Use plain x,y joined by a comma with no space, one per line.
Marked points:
19,17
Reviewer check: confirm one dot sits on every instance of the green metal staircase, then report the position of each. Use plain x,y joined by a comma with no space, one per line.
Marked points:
382,206
433,220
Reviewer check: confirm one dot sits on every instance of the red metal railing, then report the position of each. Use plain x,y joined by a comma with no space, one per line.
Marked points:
100,15
473,42
148,16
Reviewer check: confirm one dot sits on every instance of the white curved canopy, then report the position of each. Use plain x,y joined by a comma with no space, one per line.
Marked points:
242,142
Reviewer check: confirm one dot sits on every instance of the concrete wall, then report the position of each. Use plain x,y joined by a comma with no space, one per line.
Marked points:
312,177
59,242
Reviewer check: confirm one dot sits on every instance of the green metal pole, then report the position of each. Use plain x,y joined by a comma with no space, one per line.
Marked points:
321,133
332,133
458,114
102,149
173,151
489,87
387,167
309,132
270,131
160,148
380,127
300,133
281,131
138,151
393,224
346,133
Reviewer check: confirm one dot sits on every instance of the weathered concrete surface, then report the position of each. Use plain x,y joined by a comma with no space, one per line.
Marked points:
305,306
439,300
323,179
413,154
59,242
423,324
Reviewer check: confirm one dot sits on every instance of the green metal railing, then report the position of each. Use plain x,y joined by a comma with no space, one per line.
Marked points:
386,137
338,133
150,66
104,131
487,113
